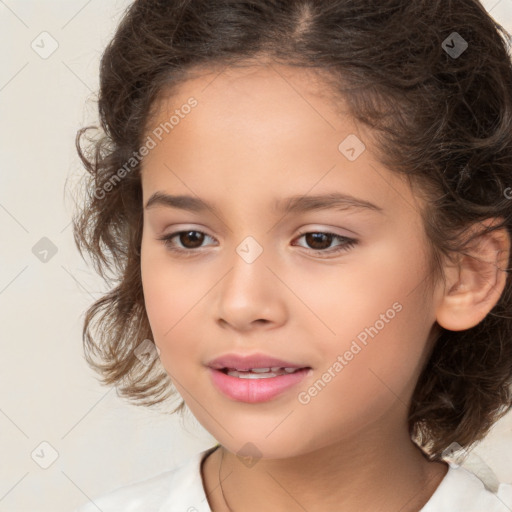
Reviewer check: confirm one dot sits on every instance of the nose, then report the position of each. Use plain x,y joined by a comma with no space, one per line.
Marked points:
251,295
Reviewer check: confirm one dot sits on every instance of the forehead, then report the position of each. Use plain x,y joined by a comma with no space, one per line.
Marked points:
260,130
271,97
246,116
255,80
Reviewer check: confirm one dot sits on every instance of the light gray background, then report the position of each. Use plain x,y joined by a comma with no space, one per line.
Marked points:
47,392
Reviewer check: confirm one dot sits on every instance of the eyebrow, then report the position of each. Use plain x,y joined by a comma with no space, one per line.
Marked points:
294,204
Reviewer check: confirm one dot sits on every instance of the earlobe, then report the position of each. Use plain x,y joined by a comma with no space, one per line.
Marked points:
475,283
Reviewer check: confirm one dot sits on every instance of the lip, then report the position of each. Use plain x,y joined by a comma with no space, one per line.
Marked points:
247,362
256,390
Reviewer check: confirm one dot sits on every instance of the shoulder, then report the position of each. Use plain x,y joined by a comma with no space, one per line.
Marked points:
462,491
180,488
142,495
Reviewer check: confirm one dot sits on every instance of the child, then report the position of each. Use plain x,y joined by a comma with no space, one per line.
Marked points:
336,376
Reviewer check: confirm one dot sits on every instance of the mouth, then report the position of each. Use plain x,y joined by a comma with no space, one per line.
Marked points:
257,384
255,363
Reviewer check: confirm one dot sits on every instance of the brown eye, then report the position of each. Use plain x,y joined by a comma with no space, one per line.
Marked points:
191,239
318,241
321,241
184,241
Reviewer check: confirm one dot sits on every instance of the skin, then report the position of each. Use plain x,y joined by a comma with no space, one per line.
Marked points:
263,133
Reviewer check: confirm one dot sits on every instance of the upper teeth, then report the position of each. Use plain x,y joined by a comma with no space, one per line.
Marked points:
264,370
260,373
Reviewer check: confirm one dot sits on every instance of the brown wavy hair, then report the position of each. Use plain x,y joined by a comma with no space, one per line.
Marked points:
444,121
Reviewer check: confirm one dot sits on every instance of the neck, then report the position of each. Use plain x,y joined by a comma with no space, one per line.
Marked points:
336,477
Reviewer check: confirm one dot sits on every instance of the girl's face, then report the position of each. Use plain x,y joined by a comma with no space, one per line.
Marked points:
249,277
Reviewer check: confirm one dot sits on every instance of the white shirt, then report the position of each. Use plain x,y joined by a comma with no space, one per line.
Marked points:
181,490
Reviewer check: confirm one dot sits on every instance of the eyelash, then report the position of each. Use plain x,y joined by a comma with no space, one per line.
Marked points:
348,243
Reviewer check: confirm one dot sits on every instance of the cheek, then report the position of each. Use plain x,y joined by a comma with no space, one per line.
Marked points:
384,290
162,298
381,320
167,314
162,287
171,296
158,296
361,381
379,293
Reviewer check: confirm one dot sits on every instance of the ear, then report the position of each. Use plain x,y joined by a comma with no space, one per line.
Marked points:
475,282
